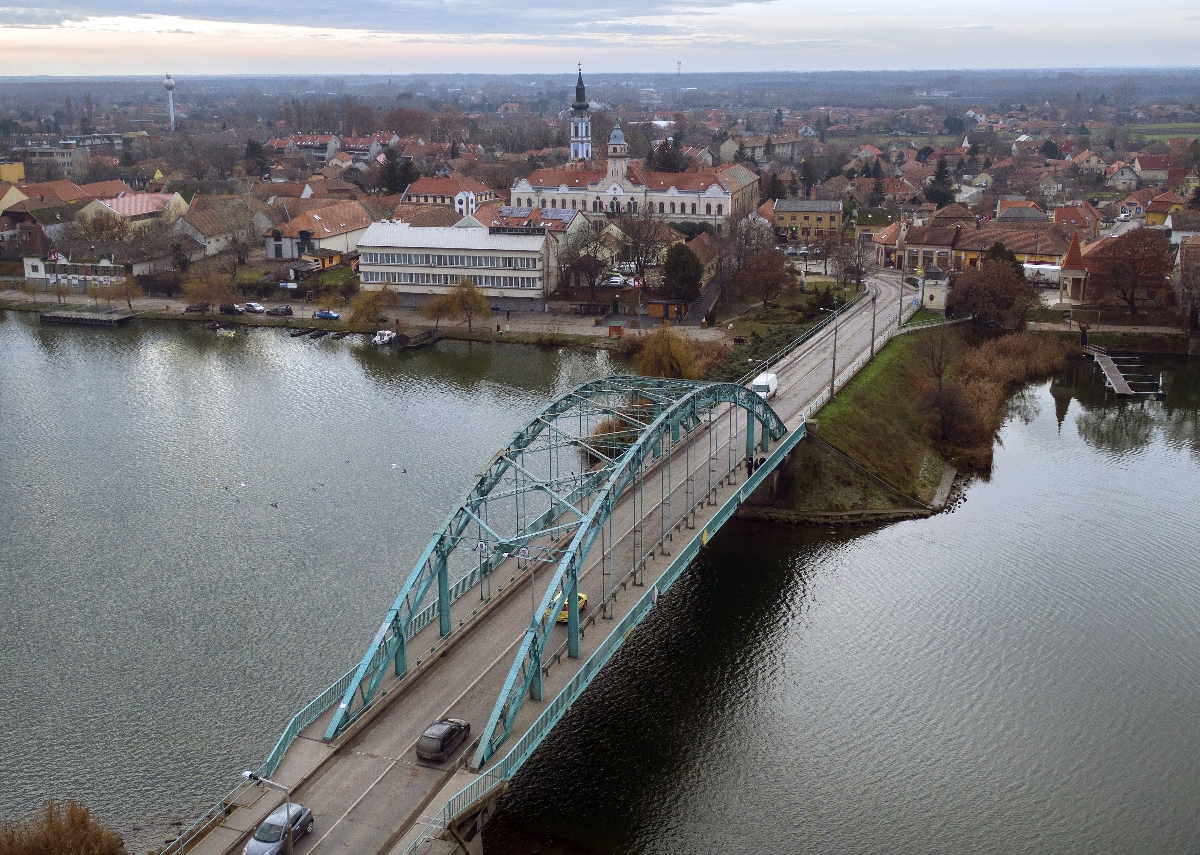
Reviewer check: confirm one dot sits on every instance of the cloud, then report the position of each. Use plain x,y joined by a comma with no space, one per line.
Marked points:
969,27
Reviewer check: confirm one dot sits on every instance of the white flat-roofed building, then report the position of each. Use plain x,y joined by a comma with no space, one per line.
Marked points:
515,267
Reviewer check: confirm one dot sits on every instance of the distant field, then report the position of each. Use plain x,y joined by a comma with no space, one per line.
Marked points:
1164,132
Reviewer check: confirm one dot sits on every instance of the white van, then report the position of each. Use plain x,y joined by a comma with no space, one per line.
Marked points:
765,385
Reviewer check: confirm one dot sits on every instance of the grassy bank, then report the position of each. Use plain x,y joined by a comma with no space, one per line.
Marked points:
898,421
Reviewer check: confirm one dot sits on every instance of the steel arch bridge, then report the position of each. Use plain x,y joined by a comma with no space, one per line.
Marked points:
544,500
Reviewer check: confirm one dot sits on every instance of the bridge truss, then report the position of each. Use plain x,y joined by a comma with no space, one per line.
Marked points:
544,501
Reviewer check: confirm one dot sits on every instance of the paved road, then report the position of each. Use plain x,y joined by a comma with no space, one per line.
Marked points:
371,792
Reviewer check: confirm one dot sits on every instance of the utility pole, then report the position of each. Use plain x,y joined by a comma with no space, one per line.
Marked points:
874,294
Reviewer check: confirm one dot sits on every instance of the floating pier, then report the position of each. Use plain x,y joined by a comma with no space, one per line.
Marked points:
1125,375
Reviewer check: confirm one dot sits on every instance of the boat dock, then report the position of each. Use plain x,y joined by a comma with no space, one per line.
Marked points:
1124,374
113,318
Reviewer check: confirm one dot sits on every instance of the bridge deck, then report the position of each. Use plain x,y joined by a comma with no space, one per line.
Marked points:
368,791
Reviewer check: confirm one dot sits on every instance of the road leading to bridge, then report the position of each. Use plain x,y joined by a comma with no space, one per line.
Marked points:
368,791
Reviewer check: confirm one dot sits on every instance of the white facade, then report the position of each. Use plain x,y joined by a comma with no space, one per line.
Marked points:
581,138
515,268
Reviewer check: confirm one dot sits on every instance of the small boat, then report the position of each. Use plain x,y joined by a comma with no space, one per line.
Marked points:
298,333
212,325
226,331
384,338
341,334
318,333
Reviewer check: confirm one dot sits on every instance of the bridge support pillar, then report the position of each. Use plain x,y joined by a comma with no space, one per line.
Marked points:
443,581
401,656
750,417
572,613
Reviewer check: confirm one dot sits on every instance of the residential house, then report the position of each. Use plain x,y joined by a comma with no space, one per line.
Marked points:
140,210
105,189
1161,207
1134,205
1081,217
10,194
336,226
218,227
1184,225
63,191
803,220
361,149
1089,162
83,263
1153,168
515,268
1121,176
461,193
318,147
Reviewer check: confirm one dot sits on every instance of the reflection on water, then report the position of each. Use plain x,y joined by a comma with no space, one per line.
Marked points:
1123,425
198,533
1015,676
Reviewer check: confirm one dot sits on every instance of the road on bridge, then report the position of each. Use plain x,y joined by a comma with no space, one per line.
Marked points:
368,792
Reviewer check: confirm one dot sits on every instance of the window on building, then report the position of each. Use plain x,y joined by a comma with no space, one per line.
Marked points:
719,210
693,207
708,209
672,207
661,208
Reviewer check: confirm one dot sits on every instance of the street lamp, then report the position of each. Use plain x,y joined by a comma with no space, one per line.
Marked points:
833,368
287,800
874,294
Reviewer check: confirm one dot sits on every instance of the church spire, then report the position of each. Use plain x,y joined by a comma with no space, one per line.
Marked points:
581,101
581,123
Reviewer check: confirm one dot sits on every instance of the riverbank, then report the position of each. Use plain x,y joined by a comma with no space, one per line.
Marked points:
540,328
929,406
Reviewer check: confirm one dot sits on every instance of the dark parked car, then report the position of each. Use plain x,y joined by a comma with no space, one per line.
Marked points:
280,310
231,309
270,839
197,307
440,739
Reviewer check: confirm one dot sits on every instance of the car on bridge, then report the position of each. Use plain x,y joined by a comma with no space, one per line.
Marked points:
440,739
562,615
270,839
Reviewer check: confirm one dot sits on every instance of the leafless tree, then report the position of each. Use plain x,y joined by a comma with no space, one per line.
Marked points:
643,236
936,351
584,258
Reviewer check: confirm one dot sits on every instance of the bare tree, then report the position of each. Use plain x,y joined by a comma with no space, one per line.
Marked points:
765,275
643,236
1135,263
437,307
936,351
584,259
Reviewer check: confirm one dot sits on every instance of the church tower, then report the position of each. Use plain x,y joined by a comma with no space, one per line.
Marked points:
581,123
618,154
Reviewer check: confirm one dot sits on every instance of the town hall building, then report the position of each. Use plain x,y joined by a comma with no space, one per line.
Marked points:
618,185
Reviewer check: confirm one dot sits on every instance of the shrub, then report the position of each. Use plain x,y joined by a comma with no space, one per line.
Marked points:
61,827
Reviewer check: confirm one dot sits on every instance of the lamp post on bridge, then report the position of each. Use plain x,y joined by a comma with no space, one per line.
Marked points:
287,800
874,294
833,367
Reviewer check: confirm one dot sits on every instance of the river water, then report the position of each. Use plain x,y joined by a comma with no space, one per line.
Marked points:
198,533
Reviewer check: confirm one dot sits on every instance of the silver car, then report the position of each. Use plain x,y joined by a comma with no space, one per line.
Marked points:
269,837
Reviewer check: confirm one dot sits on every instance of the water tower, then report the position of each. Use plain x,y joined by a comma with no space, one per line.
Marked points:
169,85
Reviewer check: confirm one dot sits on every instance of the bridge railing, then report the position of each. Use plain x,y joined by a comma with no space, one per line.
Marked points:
812,331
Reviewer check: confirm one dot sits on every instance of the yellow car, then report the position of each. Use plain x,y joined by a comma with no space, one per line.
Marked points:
562,615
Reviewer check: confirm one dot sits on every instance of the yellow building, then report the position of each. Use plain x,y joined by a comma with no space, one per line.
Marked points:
12,172
1162,207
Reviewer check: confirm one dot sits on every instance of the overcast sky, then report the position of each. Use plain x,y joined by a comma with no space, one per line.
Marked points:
407,36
